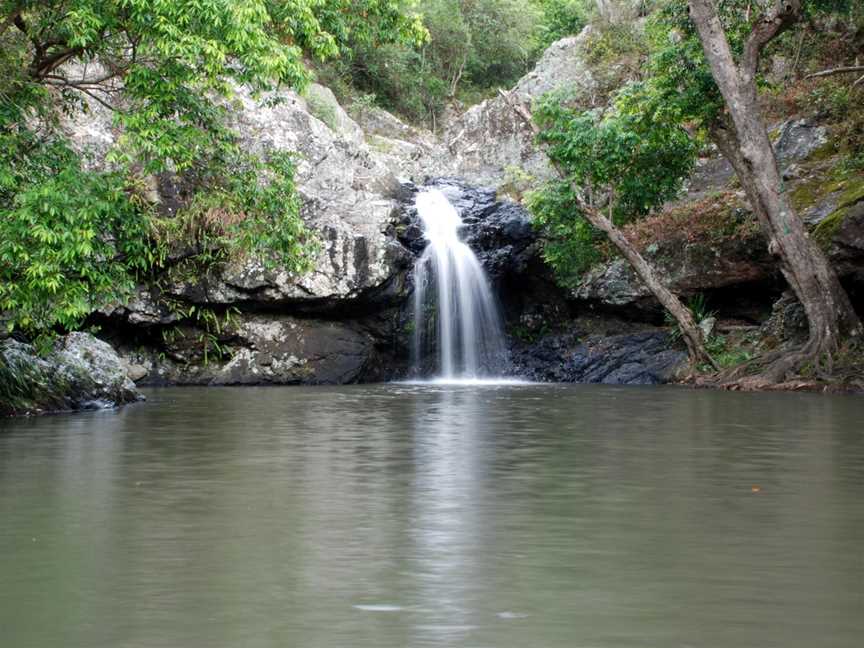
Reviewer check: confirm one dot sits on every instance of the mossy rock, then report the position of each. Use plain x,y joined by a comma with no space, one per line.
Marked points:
852,192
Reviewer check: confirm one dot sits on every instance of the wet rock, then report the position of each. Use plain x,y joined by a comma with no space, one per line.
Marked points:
644,358
499,232
80,373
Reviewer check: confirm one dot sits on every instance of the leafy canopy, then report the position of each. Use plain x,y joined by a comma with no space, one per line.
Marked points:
624,163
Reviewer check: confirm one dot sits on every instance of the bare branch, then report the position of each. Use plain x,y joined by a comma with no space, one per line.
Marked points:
84,88
833,71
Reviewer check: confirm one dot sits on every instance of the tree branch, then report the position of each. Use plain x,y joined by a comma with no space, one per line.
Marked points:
833,71
784,14
83,88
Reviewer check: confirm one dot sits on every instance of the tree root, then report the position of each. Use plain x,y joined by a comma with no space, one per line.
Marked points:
780,369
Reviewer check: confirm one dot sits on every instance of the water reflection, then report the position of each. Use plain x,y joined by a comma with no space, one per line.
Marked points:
448,442
409,515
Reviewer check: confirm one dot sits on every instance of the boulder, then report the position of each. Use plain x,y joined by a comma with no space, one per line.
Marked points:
490,143
798,139
79,373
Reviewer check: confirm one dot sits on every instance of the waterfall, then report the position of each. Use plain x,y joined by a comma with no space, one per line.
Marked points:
454,310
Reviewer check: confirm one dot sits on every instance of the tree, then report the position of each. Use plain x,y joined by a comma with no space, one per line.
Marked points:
617,163
560,18
742,137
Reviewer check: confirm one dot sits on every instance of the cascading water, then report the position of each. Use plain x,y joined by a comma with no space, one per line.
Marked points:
454,310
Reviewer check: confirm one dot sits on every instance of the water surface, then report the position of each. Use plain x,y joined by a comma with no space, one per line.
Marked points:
436,515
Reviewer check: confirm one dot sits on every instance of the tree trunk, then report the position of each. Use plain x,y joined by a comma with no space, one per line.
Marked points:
744,141
690,331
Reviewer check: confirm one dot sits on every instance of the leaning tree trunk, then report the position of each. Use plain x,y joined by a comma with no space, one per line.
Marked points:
692,334
743,139
690,331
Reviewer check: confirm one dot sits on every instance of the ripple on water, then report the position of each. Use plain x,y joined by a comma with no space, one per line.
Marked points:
378,608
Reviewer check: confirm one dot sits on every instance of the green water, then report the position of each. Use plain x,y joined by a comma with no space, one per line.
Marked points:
399,516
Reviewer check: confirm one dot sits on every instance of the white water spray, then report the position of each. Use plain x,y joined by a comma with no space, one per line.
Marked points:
454,311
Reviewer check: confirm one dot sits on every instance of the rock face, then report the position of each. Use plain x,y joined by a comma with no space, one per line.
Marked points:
491,144
643,358
268,349
80,373
343,321
720,262
326,325
347,192
347,321
691,268
346,195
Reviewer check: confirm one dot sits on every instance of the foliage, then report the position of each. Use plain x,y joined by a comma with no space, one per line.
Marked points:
727,352
560,18
244,206
678,80
473,47
698,306
322,109
171,56
210,329
570,243
608,44
624,163
23,384
70,240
